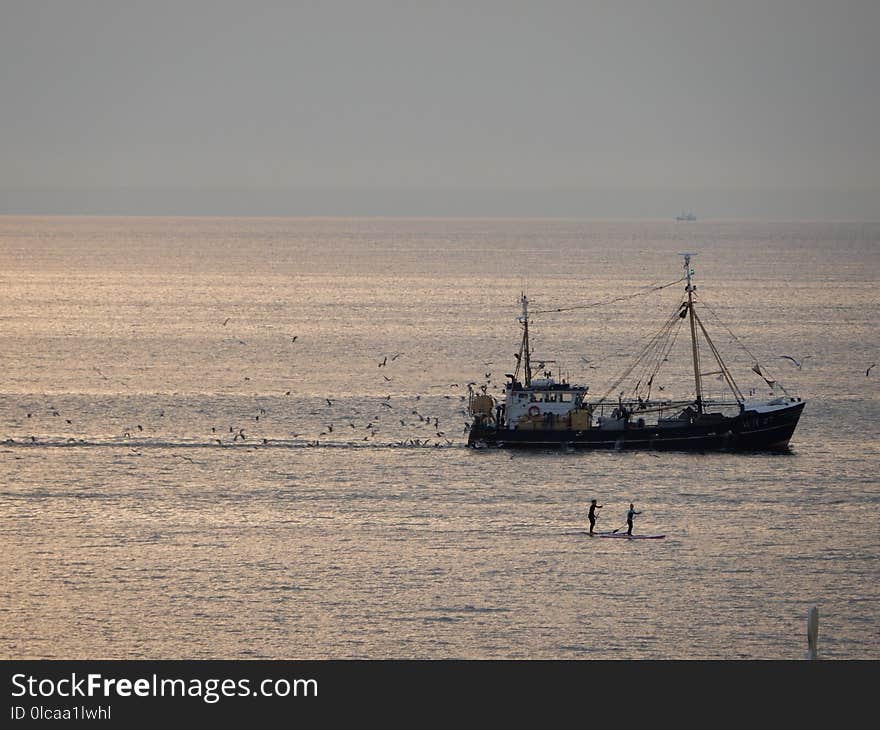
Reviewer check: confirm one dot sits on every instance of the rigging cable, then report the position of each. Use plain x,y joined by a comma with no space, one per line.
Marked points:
757,367
644,290
668,325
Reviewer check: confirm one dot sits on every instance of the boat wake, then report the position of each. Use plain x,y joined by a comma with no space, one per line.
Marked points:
134,446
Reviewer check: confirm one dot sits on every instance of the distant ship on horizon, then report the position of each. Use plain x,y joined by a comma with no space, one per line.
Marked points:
689,216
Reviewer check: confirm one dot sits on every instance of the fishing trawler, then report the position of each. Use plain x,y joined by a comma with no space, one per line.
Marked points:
689,216
547,412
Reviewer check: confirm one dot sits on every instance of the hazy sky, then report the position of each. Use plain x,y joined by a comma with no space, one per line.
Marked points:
618,108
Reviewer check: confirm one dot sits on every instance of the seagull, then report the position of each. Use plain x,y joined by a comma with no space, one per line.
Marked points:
328,402
382,364
294,338
797,364
387,379
394,357
225,321
867,372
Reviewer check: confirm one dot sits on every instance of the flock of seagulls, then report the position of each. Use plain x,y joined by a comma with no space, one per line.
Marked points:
374,425
800,363
370,430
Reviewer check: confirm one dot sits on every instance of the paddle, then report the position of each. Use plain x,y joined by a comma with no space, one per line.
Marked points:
614,532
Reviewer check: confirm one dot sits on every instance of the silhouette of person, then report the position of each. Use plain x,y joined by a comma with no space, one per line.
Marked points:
630,513
592,514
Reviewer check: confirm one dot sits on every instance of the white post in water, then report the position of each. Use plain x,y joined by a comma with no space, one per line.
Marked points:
813,633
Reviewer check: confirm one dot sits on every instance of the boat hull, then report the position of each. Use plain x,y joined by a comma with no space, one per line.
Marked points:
749,431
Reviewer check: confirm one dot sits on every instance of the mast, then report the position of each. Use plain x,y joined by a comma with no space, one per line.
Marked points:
696,356
524,348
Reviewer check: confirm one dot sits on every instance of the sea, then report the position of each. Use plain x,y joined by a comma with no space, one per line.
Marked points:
240,438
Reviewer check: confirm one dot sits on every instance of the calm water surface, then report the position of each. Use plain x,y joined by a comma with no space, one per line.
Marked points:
181,478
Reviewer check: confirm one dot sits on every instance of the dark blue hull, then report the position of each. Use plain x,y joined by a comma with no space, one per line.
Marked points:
749,431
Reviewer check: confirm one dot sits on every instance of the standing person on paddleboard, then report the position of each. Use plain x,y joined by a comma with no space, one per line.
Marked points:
592,514
629,518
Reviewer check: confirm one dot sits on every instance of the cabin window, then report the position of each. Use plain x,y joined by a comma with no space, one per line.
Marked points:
565,397
551,397
537,398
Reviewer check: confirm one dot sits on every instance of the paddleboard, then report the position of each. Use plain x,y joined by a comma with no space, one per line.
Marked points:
634,537
596,533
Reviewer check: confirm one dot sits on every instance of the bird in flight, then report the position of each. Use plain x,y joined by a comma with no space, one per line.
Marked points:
293,339
797,364
868,371
385,360
225,321
387,379
328,402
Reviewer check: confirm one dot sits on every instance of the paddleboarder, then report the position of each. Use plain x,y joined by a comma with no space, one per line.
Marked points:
592,514
630,513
